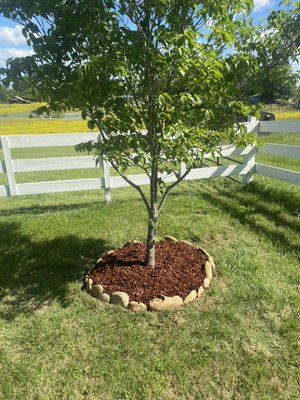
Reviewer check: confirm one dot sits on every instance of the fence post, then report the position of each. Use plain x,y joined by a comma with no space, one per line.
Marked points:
106,177
182,168
8,166
249,159
107,182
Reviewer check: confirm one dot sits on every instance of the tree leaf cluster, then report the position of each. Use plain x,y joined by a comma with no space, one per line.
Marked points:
158,78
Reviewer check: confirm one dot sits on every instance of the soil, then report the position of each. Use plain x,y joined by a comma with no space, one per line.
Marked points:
178,270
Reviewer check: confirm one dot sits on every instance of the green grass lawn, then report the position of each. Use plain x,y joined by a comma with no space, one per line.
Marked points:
240,342
277,161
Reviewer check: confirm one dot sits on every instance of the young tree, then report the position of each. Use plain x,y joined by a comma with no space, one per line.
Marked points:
156,77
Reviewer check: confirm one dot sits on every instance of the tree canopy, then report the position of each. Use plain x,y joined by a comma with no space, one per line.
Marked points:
158,78
278,47
280,42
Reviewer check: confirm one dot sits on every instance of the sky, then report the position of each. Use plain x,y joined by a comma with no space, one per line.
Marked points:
12,42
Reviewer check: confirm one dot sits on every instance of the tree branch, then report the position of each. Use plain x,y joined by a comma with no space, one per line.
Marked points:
170,187
136,187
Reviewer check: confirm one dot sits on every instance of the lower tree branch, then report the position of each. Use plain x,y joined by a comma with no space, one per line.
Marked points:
136,187
170,187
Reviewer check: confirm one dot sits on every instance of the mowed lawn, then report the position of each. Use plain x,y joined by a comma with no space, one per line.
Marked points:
240,342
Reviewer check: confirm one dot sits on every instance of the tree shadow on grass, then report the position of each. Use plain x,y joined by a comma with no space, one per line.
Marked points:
38,209
288,199
41,209
270,213
34,274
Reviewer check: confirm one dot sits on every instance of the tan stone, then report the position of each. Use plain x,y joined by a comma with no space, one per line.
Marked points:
200,292
110,252
206,283
170,238
104,298
99,259
136,242
165,303
120,299
208,270
190,297
88,284
211,260
97,290
137,307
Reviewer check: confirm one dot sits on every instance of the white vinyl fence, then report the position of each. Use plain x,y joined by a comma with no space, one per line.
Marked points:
246,169
282,150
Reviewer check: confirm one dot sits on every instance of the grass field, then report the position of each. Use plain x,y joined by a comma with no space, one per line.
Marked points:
240,342
293,114
18,110
14,121
28,126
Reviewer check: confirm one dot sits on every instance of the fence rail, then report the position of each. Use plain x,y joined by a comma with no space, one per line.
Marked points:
246,169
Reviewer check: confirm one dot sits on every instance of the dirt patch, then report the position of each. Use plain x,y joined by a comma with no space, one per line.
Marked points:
179,269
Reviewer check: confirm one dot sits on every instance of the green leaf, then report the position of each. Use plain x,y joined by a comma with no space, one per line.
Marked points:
164,99
91,124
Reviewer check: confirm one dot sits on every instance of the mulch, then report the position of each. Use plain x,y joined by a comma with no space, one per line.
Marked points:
178,270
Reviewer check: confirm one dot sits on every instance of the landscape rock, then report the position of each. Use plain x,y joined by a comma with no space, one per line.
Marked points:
170,238
190,297
89,284
137,307
104,298
120,299
208,270
165,303
99,259
200,292
97,290
210,259
110,252
206,283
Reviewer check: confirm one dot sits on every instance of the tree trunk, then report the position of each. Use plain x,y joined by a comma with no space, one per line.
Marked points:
152,220
150,251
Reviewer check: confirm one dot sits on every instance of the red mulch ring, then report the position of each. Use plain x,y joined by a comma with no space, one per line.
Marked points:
179,269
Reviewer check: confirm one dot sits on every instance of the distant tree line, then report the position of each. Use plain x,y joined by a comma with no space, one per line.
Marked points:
276,49
20,88
273,84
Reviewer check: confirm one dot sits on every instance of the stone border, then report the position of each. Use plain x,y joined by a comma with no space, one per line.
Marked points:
159,303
